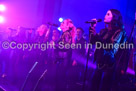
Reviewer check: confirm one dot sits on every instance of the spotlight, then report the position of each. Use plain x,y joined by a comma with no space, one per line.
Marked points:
59,28
60,19
2,7
1,19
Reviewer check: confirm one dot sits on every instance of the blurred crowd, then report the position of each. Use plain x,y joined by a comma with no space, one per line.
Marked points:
16,63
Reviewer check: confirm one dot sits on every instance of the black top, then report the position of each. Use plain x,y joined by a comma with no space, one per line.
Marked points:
106,55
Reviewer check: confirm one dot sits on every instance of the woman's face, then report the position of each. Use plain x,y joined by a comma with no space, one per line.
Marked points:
42,29
108,17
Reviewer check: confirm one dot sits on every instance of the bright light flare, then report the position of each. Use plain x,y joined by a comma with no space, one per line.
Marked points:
59,28
2,7
1,19
60,19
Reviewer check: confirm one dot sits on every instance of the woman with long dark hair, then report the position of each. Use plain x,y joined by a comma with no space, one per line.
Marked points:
105,56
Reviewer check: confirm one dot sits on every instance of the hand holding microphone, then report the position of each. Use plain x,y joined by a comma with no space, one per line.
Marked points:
92,26
93,23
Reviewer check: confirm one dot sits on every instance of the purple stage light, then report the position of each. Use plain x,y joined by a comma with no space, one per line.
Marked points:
130,71
60,19
2,7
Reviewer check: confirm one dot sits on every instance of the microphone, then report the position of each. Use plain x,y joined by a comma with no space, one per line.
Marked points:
24,28
55,25
33,67
22,89
93,21
12,29
39,79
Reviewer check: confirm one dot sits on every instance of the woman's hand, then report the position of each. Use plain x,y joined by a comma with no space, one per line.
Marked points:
92,31
93,25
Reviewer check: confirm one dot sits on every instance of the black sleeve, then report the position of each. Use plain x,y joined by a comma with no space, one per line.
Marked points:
97,37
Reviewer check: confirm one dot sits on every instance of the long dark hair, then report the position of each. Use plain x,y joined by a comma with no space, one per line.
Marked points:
117,22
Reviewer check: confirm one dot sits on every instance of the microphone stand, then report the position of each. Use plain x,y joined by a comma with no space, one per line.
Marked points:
22,89
85,74
39,79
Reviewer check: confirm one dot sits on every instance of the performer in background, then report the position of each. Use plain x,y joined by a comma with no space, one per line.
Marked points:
4,55
80,40
40,56
67,37
53,52
105,58
41,37
64,58
78,57
41,33
67,26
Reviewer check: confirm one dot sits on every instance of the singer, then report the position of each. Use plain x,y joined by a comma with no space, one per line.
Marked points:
64,59
105,58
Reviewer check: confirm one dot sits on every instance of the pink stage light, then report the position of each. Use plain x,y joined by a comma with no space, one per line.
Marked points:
1,19
2,7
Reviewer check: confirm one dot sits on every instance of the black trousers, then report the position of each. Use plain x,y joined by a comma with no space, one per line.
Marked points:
102,80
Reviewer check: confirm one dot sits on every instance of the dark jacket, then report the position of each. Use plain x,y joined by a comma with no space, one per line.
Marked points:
106,56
